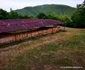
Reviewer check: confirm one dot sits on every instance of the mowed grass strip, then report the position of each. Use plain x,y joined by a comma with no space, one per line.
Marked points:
52,56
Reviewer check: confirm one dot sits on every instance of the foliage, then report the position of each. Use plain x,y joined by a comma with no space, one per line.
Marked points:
53,16
3,14
66,20
30,16
78,17
42,16
12,15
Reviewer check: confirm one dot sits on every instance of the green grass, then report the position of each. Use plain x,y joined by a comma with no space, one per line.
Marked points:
70,52
77,41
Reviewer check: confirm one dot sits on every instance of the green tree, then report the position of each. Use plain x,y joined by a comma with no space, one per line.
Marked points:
31,16
13,15
24,17
53,16
3,14
42,16
78,17
66,20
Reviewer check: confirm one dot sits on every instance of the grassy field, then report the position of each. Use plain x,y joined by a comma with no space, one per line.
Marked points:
49,52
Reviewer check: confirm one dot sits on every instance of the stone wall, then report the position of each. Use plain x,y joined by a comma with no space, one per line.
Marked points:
18,37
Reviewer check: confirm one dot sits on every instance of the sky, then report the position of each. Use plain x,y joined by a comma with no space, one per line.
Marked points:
18,4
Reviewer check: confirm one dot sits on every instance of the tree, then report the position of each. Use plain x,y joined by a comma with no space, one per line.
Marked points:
66,20
13,14
78,17
30,16
53,16
42,16
3,14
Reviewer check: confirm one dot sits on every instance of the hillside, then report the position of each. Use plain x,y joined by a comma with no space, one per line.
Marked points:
47,9
48,52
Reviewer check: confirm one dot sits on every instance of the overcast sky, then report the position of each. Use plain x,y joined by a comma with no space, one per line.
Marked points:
18,4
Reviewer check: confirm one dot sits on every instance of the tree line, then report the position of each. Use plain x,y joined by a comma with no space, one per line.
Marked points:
11,15
77,20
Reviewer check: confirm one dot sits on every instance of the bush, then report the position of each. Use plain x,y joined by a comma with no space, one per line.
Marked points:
66,20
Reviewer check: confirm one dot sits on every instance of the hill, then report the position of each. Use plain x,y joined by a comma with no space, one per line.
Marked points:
47,9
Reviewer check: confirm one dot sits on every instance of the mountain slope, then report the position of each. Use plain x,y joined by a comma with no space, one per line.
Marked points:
47,9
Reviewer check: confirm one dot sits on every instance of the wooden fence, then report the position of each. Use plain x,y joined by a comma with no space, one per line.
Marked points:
18,37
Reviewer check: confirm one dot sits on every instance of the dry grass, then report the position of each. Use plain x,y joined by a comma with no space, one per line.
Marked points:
47,52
